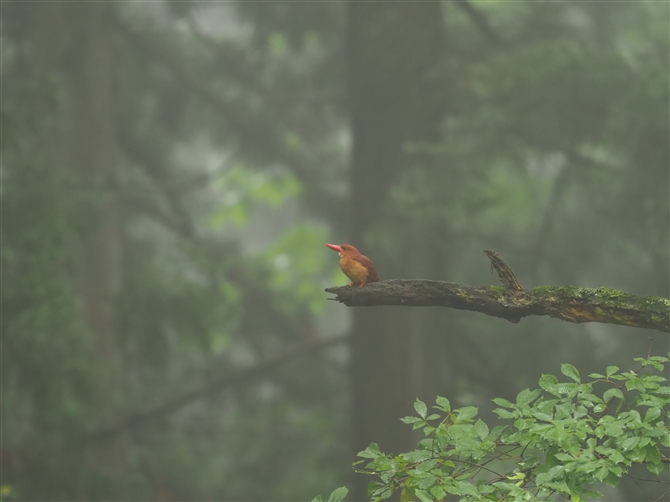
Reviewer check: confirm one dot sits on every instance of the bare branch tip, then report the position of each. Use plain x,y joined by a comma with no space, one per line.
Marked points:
505,273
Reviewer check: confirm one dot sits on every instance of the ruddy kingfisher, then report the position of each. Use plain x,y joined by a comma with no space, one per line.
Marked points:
358,268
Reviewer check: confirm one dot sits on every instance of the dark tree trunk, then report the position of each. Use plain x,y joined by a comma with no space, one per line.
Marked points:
392,48
75,42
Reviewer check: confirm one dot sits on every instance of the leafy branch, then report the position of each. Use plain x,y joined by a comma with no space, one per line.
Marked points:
558,440
512,302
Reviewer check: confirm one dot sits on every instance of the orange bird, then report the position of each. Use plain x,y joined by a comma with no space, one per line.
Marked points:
358,268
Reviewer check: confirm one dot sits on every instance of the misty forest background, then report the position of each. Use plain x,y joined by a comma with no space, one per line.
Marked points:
172,170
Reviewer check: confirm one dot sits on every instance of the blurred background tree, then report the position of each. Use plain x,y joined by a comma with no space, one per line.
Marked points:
172,171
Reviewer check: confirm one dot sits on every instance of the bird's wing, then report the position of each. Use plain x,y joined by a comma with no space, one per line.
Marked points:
365,261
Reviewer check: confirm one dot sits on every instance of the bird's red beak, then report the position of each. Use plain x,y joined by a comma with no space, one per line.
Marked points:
334,247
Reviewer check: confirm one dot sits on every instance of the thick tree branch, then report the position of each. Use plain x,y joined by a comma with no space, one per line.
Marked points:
569,303
217,385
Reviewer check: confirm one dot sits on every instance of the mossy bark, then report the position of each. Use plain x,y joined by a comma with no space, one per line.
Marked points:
569,303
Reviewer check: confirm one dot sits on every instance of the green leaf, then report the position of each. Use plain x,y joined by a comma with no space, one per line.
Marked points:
630,443
417,455
338,494
635,383
420,424
465,413
649,362
382,492
570,371
596,375
614,430
503,402
637,455
504,413
423,496
406,495
438,492
586,493
566,388
371,451
426,444
484,488
420,408
558,432
546,406
523,397
601,473
616,457
317,499
655,468
656,365
612,479
537,428
610,393
555,472
611,370
652,454
506,487
564,410
652,414
564,457
543,416
385,476
427,465
468,489
482,429
497,431
443,403
451,489
550,384
586,396
410,420
427,482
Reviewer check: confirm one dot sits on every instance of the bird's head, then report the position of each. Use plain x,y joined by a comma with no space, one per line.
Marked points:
344,249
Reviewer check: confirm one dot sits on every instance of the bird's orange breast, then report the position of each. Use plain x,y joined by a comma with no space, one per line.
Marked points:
354,270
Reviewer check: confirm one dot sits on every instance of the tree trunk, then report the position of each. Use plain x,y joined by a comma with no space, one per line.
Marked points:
392,47
75,43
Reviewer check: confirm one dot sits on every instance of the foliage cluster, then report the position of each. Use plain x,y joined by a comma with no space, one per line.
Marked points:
558,440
